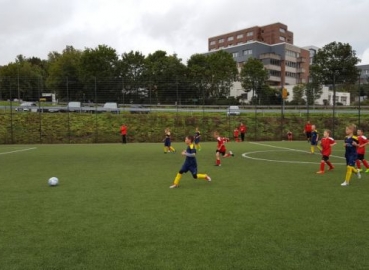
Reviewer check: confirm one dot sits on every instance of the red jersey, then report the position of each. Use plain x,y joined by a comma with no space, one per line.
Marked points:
362,140
236,133
123,130
326,144
308,128
243,129
221,143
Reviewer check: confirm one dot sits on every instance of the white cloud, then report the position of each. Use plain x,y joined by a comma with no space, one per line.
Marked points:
37,27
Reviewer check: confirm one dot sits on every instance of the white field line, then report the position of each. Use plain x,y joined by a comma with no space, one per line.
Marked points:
246,155
16,151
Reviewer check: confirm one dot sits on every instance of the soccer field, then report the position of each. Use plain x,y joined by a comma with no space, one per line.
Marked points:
266,208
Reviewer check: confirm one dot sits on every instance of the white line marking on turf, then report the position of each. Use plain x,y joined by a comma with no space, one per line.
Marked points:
291,149
16,151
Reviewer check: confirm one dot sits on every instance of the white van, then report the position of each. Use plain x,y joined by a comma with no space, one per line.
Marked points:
233,110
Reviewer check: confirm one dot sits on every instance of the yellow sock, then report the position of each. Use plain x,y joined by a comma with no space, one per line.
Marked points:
353,169
201,176
312,149
348,173
172,149
177,179
165,149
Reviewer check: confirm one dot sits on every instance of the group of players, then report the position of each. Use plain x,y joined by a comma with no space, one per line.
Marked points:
193,145
354,149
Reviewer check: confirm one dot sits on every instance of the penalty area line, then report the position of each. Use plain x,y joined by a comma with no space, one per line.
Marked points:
16,151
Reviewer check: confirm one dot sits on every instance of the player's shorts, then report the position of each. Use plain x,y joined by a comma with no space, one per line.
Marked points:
197,141
308,134
314,143
189,167
351,160
360,156
222,152
167,142
325,158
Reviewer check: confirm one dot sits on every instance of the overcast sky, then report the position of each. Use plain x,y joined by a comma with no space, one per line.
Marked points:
37,27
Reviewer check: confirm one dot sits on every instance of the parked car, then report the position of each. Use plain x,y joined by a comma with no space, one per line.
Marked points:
27,107
109,107
139,109
233,110
74,106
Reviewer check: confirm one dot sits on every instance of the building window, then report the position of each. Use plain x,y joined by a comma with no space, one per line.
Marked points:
275,62
230,38
250,34
247,52
282,30
239,36
235,54
221,40
282,38
212,42
275,73
343,100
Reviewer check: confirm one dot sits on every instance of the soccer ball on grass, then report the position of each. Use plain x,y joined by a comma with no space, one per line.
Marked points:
53,181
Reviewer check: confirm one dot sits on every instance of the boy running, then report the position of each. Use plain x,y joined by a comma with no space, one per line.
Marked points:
190,164
326,144
363,141
167,142
351,142
314,139
221,149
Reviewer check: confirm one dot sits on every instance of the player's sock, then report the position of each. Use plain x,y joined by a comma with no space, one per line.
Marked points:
218,162
329,164
348,174
177,179
366,163
322,164
201,176
172,149
312,149
358,165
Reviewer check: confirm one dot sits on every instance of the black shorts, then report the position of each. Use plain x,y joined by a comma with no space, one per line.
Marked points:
360,156
308,134
220,152
325,158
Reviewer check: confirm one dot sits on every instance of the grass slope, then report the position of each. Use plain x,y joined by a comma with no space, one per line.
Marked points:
114,210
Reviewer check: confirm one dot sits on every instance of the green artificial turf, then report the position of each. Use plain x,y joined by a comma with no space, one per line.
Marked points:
266,208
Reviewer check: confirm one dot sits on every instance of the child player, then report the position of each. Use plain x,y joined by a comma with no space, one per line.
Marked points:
197,139
221,149
289,136
236,134
363,141
350,145
314,139
326,144
190,164
167,142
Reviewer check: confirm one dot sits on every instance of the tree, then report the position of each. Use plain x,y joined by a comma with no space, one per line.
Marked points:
334,63
298,94
253,77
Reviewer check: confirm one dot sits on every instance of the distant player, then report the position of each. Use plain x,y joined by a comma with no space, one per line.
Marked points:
167,142
363,141
326,144
236,134
243,130
314,139
190,164
351,142
308,130
289,136
197,139
221,148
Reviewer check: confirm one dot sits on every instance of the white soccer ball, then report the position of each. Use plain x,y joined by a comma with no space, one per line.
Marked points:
53,181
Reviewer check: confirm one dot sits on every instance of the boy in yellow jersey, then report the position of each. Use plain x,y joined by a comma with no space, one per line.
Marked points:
314,139
168,142
190,164
351,142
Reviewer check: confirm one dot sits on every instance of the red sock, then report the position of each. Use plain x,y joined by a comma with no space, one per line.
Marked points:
218,161
322,166
329,164
358,165
366,163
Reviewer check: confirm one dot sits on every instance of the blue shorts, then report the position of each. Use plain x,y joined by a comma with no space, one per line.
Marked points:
187,167
314,143
350,160
167,142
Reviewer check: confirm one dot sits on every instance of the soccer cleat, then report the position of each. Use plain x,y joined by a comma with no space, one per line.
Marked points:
344,184
358,174
367,171
174,186
320,172
330,169
218,165
208,178
231,153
